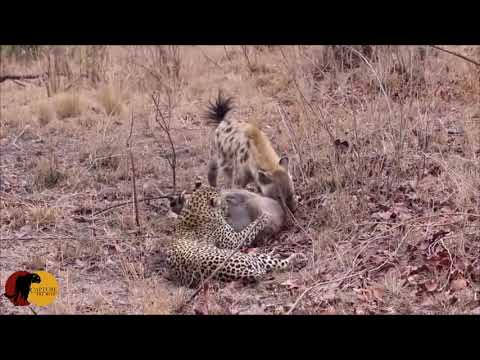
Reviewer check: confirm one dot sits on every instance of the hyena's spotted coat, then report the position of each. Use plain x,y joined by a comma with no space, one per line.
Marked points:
244,154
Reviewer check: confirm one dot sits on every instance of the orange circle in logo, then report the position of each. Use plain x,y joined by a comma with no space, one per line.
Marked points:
44,292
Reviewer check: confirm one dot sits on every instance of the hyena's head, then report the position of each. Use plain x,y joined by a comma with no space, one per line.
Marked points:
278,185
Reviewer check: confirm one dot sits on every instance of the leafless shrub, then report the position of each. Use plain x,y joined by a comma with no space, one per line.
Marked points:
165,71
164,122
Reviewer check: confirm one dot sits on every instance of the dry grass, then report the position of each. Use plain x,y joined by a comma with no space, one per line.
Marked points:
110,99
42,216
68,105
46,113
102,153
13,217
47,173
385,148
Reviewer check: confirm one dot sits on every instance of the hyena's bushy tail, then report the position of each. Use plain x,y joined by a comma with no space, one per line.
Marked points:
216,111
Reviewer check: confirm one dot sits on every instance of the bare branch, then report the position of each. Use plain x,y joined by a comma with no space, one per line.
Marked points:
226,53
134,186
128,203
251,67
456,54
210,59
165,125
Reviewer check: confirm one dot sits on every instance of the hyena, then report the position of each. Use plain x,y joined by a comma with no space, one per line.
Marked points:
244,154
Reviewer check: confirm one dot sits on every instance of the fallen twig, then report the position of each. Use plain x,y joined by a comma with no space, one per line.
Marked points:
128,203
20,77
320,284
19,83
14,141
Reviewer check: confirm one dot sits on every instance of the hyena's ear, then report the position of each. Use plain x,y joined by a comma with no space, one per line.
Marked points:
284,162
264,178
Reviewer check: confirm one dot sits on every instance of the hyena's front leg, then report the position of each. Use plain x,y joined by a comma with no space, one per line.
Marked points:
240,177
228,175
241,181
212,172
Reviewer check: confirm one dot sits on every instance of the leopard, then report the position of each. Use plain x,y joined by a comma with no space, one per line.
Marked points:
204,241
240,208
243,153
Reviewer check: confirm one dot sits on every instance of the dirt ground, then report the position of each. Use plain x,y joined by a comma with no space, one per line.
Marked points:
385,149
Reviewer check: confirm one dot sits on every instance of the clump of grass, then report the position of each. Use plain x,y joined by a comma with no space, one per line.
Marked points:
163,302
47,174
106,155
3,132
68,105
45,113
111,100
13,217
42,216
87,121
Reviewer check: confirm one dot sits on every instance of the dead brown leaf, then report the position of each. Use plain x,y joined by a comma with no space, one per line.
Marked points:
290,284
378,293
431,285
384,215
330,310
458,284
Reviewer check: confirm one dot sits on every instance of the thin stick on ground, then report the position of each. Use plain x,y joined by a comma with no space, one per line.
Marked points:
344,277
20,77
134,185
14,141
131,202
